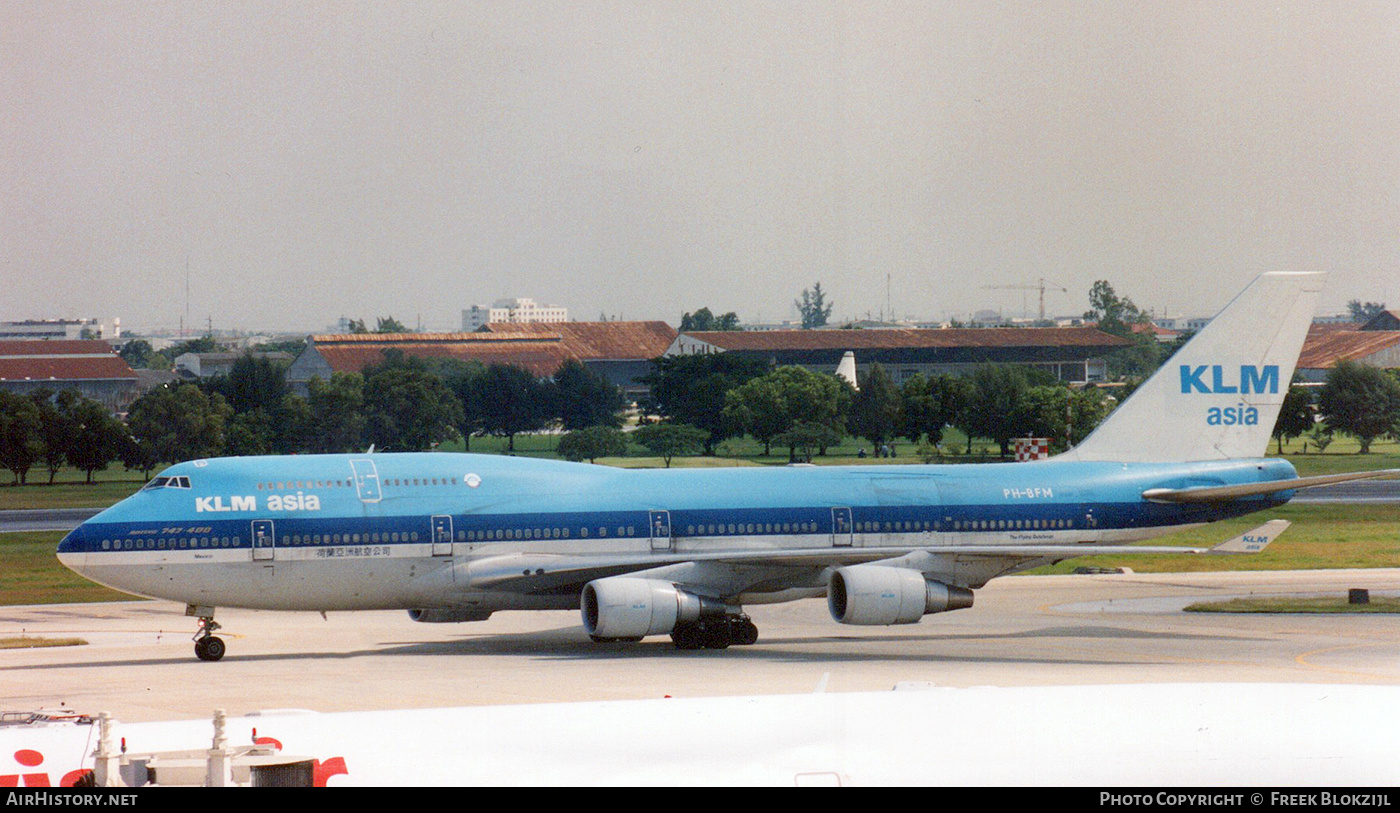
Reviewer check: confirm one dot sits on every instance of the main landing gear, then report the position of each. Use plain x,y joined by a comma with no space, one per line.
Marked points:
716,633
207,646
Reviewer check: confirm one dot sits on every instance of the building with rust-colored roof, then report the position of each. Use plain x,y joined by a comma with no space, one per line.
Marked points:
1072,354
620,351
86,365
1328,344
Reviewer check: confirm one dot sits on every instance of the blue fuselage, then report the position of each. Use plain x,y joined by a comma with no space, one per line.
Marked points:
326,511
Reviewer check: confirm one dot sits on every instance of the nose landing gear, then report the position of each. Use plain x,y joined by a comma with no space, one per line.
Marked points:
207,646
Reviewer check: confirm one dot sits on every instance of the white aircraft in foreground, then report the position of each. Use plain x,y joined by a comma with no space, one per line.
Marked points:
1172,735
456,537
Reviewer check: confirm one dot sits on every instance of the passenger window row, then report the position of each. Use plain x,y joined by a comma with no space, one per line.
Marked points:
348,539
176,543
293,485
751,528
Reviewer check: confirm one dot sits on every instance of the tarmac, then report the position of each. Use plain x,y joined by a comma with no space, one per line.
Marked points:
139,662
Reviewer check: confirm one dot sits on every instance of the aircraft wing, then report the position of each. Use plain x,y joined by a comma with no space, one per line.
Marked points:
548,573
1235,492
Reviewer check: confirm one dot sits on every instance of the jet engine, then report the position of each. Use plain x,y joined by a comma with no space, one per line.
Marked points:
623,607
881,595
448,616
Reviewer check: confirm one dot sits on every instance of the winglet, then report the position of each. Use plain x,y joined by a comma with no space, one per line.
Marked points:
1255,540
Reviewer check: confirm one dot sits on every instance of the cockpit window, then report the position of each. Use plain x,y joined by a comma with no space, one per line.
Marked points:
167,482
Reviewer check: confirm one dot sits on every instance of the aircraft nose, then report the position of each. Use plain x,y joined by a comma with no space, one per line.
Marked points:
73,546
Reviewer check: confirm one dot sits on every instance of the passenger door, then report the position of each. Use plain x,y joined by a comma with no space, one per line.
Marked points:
660,523
366,480
842,531
442,536
264,539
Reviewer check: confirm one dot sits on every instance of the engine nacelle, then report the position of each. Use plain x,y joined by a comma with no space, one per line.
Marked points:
448,616
627,607
880,595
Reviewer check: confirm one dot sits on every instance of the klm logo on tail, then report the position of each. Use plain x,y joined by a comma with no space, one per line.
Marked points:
1211,379
1250,380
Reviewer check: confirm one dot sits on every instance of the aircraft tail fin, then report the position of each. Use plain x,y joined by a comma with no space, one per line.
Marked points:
1219,396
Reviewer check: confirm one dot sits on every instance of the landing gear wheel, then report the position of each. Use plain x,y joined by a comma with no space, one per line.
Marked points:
210,648
717,635
206,646
688,636
743,632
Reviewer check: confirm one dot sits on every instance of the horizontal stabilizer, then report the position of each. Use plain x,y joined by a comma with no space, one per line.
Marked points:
1255,540
1235,492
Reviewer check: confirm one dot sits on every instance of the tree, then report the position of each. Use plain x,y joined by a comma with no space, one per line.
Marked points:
252,383
512,400
703,319
813,307
289,346
997,390
97,436
55,428
691,390
462,380
592,443
1063,415
409,409
21,442
204,344
249,433
666,440
1362,401
1364,312
292,425
1113,314
875,407
928,405
1139,360
336,414
1295,416
137,353
175,423
805,438
772,404
583,398
388,324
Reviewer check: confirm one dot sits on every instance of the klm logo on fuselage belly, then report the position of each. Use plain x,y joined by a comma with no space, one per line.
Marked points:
1212,380
276,502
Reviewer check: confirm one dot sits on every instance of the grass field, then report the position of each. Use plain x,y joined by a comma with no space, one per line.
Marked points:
30,573
1322,536
30,642
1279,604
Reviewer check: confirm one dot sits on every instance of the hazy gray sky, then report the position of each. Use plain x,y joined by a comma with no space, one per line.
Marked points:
313,160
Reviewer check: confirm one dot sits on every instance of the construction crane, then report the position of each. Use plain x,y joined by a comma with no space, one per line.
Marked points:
1041,286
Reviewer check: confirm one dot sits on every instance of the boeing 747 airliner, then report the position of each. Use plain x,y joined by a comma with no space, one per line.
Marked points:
456,537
